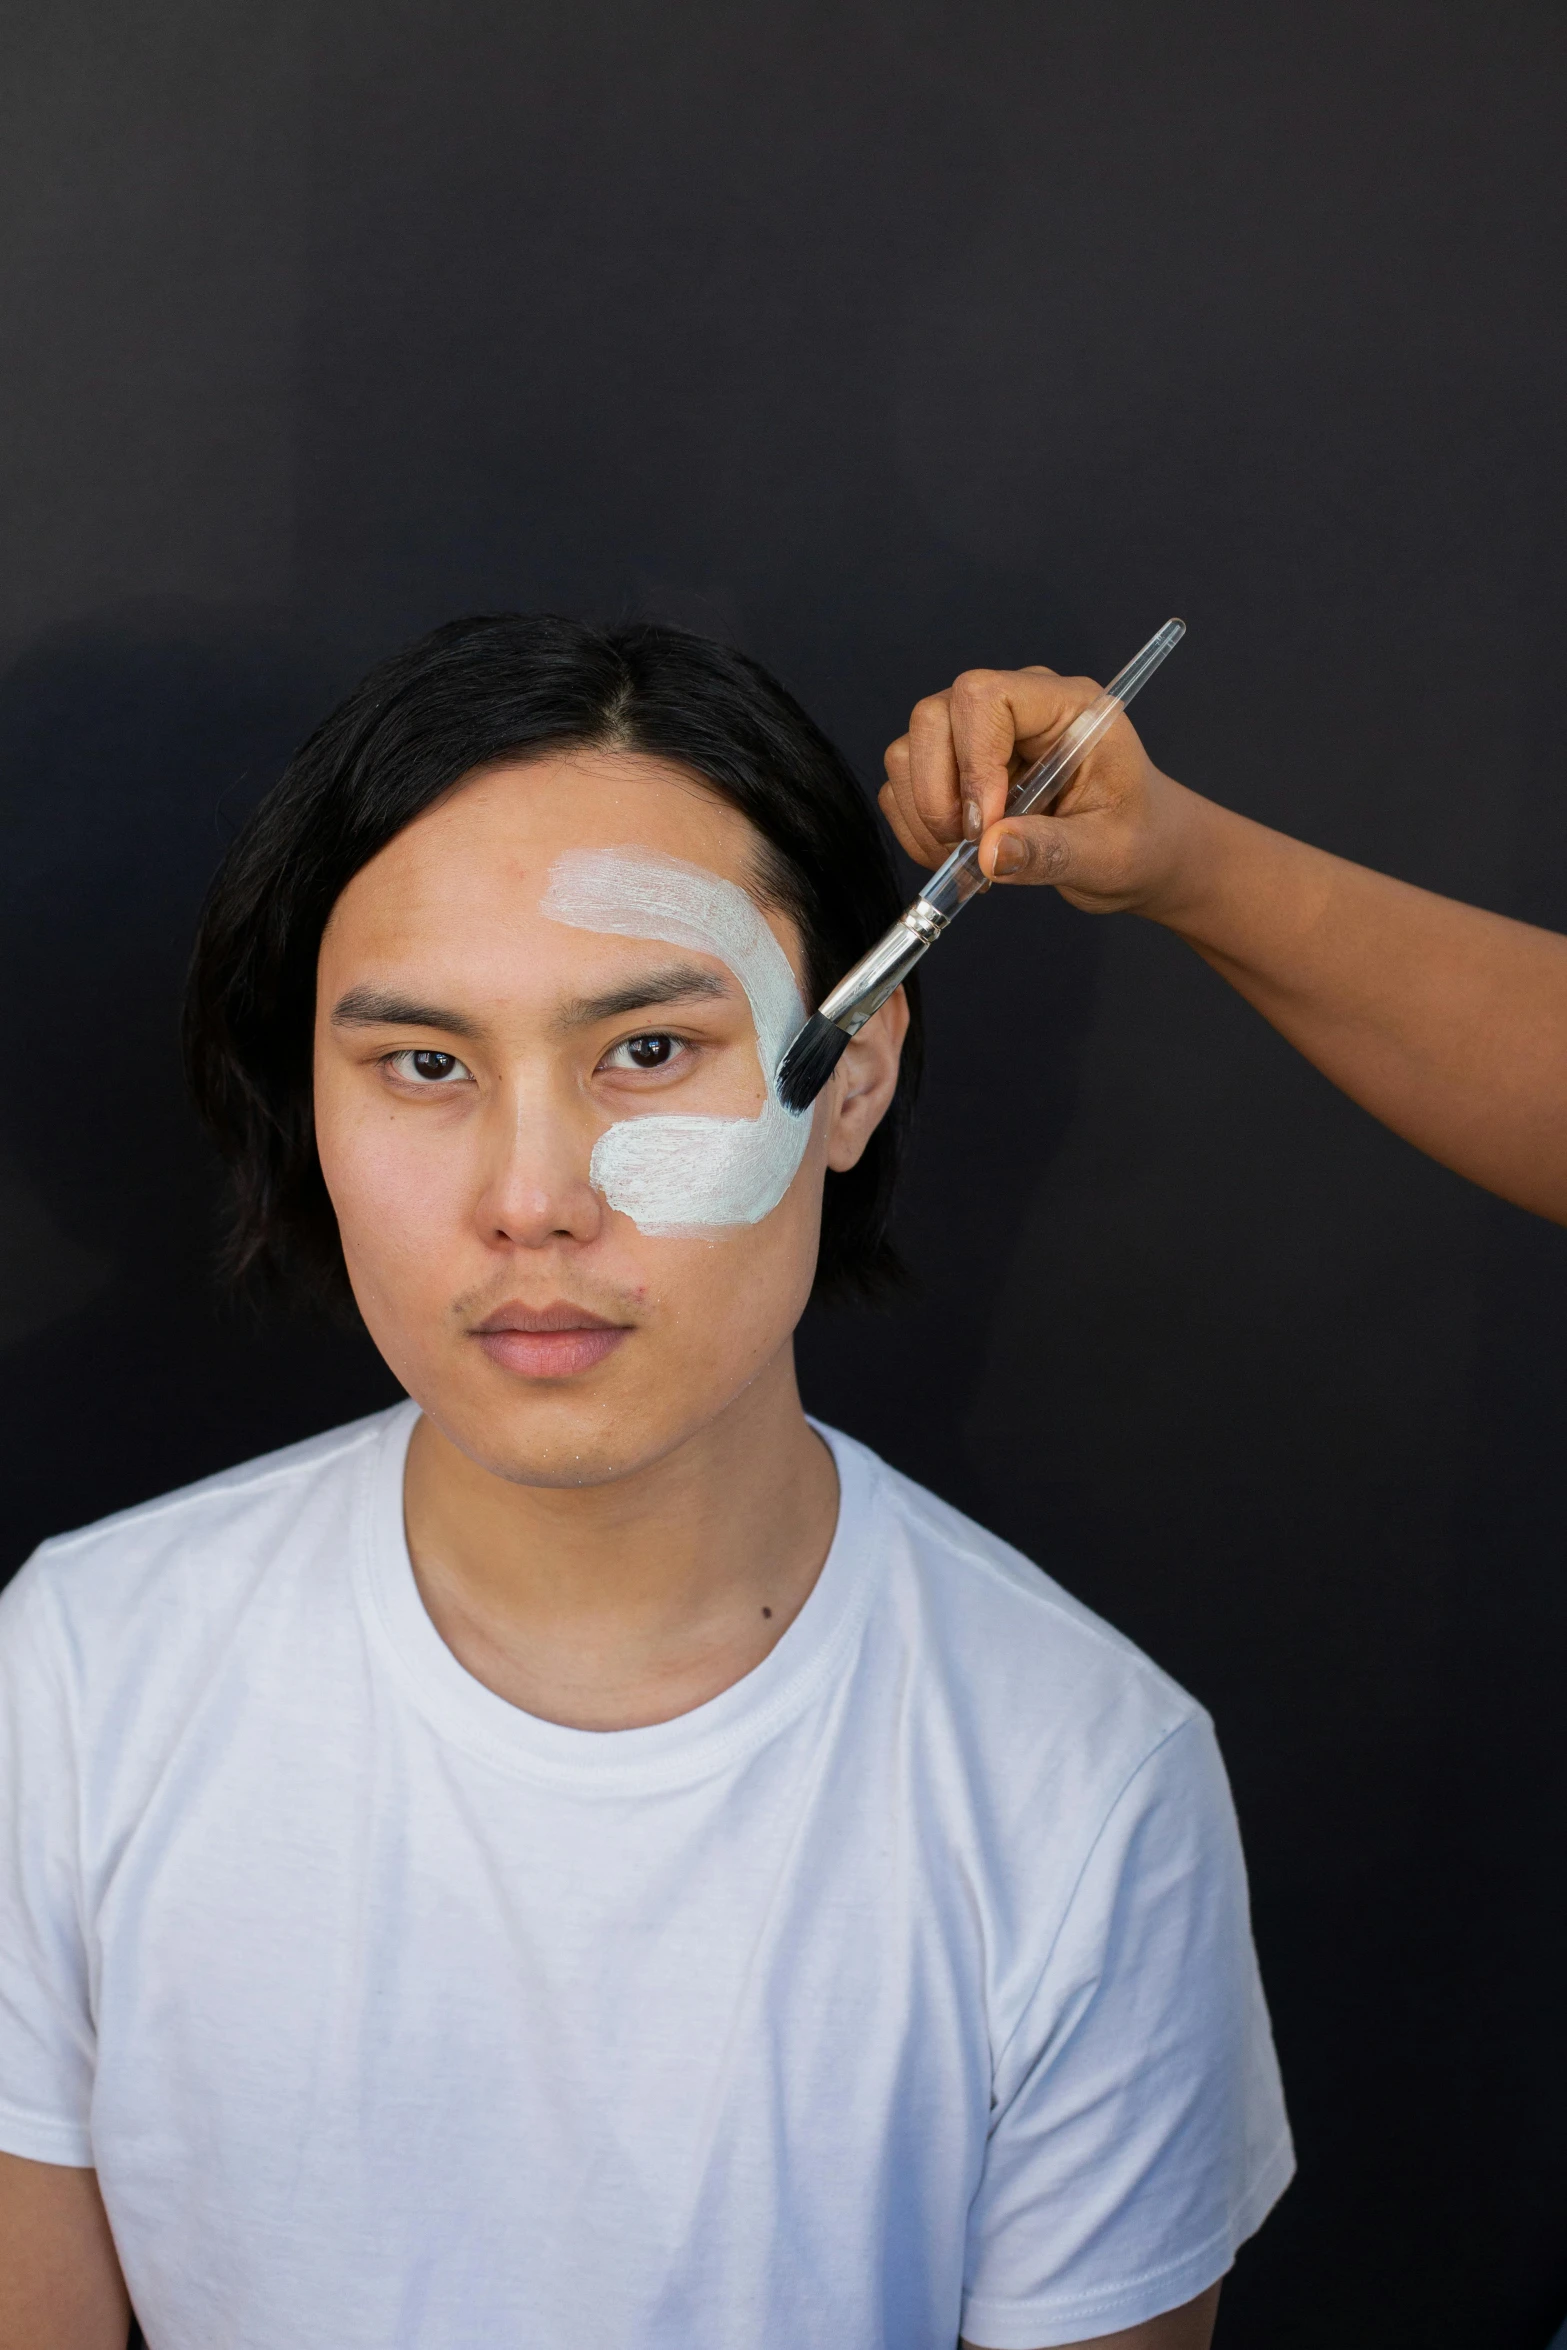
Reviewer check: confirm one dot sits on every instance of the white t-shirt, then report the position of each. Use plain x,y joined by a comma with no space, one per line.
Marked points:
906,1986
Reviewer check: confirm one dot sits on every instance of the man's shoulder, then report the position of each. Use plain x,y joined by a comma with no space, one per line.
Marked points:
207,1534
1011,1645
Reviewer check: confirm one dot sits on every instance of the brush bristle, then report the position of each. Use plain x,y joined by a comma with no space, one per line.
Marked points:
809,1062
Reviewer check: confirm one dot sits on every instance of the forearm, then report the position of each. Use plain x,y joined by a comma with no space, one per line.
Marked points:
60,2284
1447,1023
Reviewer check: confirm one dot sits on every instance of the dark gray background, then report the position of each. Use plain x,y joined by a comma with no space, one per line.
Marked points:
888,339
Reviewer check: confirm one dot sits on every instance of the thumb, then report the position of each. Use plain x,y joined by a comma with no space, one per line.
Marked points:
1026,848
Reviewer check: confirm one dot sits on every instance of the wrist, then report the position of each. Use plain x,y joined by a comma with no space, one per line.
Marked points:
1185,881
1247,898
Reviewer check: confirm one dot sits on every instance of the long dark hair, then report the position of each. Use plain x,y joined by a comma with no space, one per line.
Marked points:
471,693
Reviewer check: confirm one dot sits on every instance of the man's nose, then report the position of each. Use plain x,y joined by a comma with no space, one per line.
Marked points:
535,1188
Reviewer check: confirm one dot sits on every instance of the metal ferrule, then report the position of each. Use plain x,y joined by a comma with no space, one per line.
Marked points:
875,976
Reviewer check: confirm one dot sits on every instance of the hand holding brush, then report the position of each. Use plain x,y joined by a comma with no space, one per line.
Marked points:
815,1052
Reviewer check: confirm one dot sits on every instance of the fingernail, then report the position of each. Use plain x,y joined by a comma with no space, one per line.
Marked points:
973,820
1010,854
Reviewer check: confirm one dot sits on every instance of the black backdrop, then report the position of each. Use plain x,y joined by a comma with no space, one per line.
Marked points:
888,336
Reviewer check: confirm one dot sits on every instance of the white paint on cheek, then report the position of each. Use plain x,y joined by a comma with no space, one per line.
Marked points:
687,1174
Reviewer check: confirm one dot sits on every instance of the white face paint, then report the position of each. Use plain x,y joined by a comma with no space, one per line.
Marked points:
673,1174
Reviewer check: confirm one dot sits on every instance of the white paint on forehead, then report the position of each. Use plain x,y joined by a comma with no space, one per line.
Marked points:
689,1174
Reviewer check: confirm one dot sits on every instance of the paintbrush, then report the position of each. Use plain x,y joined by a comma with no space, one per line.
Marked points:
814,1053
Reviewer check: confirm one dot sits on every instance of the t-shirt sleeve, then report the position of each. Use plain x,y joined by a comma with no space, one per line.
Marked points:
46,2032
1138,2133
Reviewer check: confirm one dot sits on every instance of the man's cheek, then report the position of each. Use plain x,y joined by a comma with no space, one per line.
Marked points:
397,1193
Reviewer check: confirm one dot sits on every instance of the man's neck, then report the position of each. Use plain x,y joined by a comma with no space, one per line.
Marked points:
607,1607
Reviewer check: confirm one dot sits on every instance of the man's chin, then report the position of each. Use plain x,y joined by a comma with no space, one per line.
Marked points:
562,1475
558,1441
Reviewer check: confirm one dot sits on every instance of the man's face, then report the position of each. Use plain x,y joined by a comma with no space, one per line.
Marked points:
472,1046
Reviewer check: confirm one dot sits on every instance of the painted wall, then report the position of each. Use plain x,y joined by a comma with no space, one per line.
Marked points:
889,338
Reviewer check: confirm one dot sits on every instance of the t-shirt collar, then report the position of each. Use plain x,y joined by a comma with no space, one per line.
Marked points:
816,1646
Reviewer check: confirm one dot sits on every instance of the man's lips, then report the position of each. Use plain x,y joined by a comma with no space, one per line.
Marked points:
548,1342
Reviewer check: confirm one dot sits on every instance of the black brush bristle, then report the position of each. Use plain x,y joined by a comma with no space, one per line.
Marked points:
809,1062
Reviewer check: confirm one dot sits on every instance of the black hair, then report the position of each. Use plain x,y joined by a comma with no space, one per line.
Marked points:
471,693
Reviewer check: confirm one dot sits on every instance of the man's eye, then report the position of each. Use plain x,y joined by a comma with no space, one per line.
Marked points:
424,1068
643,1052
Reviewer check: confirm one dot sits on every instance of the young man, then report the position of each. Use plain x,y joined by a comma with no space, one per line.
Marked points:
585,1857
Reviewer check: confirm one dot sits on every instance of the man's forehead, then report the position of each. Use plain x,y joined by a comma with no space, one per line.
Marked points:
436,886
526,926
497,907
512,820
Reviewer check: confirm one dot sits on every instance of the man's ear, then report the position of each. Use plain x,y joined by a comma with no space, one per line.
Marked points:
861,1088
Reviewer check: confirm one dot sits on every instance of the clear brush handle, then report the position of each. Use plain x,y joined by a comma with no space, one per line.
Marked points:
960,878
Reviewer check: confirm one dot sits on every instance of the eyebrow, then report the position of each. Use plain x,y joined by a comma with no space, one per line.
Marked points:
677,983
376,1007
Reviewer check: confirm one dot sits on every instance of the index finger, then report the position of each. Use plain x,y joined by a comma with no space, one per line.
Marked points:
1002,720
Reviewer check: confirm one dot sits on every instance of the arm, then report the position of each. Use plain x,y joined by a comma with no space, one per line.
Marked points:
60,2283
1187,2328
1448,1024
